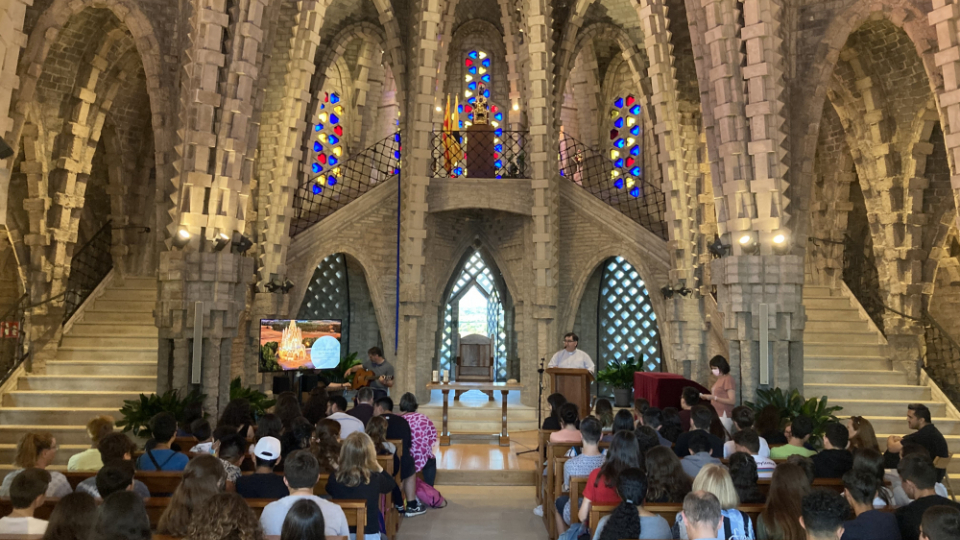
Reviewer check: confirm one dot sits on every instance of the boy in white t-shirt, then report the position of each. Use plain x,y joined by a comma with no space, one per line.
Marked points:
27,493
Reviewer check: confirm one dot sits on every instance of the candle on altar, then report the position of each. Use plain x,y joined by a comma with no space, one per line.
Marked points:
436,376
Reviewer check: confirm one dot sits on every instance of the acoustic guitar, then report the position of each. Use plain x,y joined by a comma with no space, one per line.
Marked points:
363,377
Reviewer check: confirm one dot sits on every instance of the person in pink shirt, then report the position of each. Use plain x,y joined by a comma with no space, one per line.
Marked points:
569,425
423,435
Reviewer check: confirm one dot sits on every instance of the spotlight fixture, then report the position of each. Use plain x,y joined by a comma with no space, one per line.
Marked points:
221,242
516,106
718,248
181,238
780,244
275,285
669,291
272,286
748,243
242,245
286,287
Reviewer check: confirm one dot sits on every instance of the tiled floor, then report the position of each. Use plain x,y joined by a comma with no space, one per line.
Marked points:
478,513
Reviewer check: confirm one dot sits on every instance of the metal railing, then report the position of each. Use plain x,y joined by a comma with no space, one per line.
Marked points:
942,359
11,338
323,194
622,187
494,153
91,263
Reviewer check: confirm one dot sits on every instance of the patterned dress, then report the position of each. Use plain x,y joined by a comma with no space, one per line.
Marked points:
423,436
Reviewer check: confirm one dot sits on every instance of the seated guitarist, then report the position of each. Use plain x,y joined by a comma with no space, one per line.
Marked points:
383,370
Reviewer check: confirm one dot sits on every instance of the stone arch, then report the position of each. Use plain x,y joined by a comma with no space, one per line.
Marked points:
477,33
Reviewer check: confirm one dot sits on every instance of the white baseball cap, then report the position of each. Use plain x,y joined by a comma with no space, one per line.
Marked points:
268,448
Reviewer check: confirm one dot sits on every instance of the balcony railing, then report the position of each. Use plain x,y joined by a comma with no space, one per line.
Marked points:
493,153
11,338
91,263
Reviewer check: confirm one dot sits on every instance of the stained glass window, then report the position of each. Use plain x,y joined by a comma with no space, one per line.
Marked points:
477,72
328,295
627,325
327,143
626,145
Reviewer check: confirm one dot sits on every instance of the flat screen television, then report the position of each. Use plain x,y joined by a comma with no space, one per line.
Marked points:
290,345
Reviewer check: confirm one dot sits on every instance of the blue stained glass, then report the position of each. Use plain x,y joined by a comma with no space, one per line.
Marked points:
317,147
334,98
332,160
317,189
486,94
396,137
635,171
334,119
461,125
321,106
396,154
498,164
498,132
561,173
470,117
316,168
499,177
635,110
635,191
618,184
498,148
472,100
458,171
635,150
460,109
635,130
618,103
498,117
619,143
618,163
331,180
472,54
618,123
472,70
485,78
472,85
318,127
332,139
486,62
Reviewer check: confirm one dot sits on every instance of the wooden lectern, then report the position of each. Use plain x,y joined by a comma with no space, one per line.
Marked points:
574,384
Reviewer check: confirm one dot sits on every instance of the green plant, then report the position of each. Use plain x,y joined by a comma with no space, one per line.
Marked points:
258,400
138,412
338,375
792,404
619,374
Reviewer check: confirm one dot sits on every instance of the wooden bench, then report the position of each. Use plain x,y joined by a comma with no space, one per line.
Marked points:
669,512
543,438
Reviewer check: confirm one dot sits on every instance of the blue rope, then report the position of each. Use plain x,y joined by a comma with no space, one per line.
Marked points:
396,314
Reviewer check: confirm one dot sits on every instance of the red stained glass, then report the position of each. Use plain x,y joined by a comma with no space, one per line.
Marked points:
468,108
493,108
630,162
630,100
339,131
614,133
326,97
468,62
322,158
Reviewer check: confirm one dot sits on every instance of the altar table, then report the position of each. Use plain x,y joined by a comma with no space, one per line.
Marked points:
445,388
662,389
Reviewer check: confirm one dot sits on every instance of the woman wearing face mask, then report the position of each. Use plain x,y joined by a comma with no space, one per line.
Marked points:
722,395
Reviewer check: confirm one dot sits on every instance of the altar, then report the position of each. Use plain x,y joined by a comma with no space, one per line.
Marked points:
446,388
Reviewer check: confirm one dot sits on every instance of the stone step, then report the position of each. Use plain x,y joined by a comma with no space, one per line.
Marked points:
135,282
112,353
129,295
852,376
121,319
893,424
11,434
842,349
827,315
874,363
124,306
815,327
811,291
846,338
53,415
9,451
103,330
145,385
145,368
880,392
40,398
886,407
827,302
116,342
485,418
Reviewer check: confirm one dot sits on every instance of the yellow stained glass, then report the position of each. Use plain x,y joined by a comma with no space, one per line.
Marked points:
467,93
467,124
614,113
614,173
322,180
496,140
323,117
631,121
495,124
614,154
469,78
483,71
336,172
631,182
338,109
337,151
483,55
630,141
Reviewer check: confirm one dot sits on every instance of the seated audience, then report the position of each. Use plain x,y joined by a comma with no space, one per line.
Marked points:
671,428
377,430
363,410
114,477
701,418
360,476
940,523
653,418
892,478
204,433
232,452
800,430
640,406
716,480
768,425
399,429
89,459
747,441
603,410
743,418
834,460
743,472
297,436
689,398
569,422
861,433
700,452
225,516
27,493
780,517
269,425
423,435
871,461
238,413
301,474
37,451
287,410
122,516
666,481
919,477
646,439
304,521
860,488
927,436
264,483
804,463
115,449
588,461
325,445
552,421
702,517
821,515
601,484
623,421
203,478
191,413
336,411
317,405
73,518
160,457
629,519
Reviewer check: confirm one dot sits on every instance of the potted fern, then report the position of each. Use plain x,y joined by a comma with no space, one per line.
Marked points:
619,375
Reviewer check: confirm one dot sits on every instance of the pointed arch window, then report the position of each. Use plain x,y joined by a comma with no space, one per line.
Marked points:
328,295
327,146
626,145
477,77
627,324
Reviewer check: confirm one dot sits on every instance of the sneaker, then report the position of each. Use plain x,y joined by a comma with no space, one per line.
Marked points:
400,508
538,510
415,510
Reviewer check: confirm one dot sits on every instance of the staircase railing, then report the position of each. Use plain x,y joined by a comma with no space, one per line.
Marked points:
861,276
630,194
325,193
91,263
942,359
11,338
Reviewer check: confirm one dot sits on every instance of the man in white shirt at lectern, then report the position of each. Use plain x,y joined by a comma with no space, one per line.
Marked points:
569,357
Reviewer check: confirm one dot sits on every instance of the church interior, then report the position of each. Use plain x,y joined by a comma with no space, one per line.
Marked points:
207,196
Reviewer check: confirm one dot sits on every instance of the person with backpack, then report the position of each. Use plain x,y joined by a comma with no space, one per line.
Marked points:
159,456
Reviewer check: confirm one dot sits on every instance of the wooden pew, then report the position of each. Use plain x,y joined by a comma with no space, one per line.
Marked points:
577,484
556,453
669,512
543,438
390,515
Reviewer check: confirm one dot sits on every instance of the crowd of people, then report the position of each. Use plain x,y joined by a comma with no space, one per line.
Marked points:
279,456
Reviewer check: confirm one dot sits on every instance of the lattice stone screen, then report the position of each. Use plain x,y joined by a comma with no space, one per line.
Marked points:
627,325
328,295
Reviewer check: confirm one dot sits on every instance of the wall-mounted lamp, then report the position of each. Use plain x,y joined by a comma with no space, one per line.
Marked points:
718,248
748,243
275,285
669,291
242,245
181,238
780,243
221,242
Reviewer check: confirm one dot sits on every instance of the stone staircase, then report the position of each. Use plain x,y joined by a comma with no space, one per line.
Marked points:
105,358
844,359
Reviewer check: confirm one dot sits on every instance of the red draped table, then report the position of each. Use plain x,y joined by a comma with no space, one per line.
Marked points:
662,389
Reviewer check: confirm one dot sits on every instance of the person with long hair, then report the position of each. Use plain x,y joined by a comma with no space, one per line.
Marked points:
225,516
238,413
377,430
716,480
423,435
123,516
203,478
297,436
666,481
325,445
73,518
89,459
623,421
603,410
780,519
672,425
862,434
269,425
315,409
287,409
601,484
304,521
569,425
629,519
360,476
37,451
552,421
769,425
743,472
